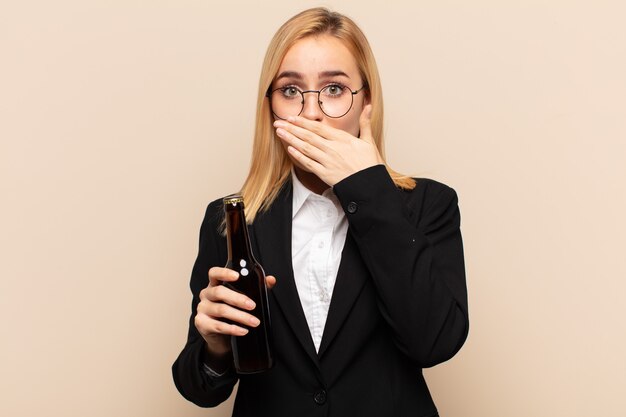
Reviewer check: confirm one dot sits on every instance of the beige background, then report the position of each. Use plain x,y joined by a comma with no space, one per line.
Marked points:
120,120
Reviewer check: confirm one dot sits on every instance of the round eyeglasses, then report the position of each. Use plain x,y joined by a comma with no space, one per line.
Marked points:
335,100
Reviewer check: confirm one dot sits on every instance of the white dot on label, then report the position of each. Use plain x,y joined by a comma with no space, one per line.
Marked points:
244,272
242,263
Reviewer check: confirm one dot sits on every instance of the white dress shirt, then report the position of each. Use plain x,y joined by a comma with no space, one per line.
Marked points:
318,233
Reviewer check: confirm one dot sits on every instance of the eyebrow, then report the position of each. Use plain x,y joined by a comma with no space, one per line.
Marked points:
323,74
328,74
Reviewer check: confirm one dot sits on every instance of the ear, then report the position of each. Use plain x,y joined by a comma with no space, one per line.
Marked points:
366,97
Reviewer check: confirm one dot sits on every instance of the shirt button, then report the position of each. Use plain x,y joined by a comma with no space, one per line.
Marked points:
320,397
352,207
321,245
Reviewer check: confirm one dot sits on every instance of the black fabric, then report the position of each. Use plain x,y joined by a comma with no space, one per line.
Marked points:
399,305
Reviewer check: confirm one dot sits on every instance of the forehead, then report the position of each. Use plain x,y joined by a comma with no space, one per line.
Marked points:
315,54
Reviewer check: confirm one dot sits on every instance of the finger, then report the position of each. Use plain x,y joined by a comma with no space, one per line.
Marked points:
302,124
208,326
270,281
223,294
217,275
306,162
365,123
306,135
305,147
222,312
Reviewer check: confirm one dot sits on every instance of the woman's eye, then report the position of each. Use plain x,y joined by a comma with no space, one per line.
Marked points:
334,90
290,92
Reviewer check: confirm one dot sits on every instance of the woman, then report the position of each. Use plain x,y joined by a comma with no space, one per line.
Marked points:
366,264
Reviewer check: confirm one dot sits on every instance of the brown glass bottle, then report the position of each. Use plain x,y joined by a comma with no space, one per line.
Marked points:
252,352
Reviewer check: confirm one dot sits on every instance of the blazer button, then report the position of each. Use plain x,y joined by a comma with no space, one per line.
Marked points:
352,207
320,397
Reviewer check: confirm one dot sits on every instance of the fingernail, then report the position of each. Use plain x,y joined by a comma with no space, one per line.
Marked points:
279,123
254,321
280,132
250,304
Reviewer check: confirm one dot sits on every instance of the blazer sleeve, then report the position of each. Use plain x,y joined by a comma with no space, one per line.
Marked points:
411,244
190,377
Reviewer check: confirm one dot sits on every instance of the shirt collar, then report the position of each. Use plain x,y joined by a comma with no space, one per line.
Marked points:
301,194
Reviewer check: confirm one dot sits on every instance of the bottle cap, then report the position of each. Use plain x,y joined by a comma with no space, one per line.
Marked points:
233,199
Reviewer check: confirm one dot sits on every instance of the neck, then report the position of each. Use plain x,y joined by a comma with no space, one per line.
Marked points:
311,181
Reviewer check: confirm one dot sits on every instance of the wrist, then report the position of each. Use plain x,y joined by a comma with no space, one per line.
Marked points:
218,361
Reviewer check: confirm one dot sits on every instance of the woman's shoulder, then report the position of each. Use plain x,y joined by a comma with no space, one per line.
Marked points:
430,194
214,213
431,187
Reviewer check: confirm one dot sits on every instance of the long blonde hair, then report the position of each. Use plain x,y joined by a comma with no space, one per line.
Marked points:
270,166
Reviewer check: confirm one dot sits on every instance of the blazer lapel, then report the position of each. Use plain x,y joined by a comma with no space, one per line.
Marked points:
271,235
351,278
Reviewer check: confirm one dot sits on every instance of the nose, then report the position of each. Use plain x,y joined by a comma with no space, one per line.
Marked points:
311,108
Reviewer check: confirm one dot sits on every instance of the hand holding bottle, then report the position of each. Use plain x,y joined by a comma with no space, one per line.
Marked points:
219,303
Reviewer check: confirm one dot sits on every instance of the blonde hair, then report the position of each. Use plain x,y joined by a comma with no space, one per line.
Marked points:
270,166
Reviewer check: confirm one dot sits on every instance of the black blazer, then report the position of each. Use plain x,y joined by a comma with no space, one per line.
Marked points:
399,305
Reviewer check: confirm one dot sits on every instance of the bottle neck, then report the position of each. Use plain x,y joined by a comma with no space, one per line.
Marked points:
237,234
